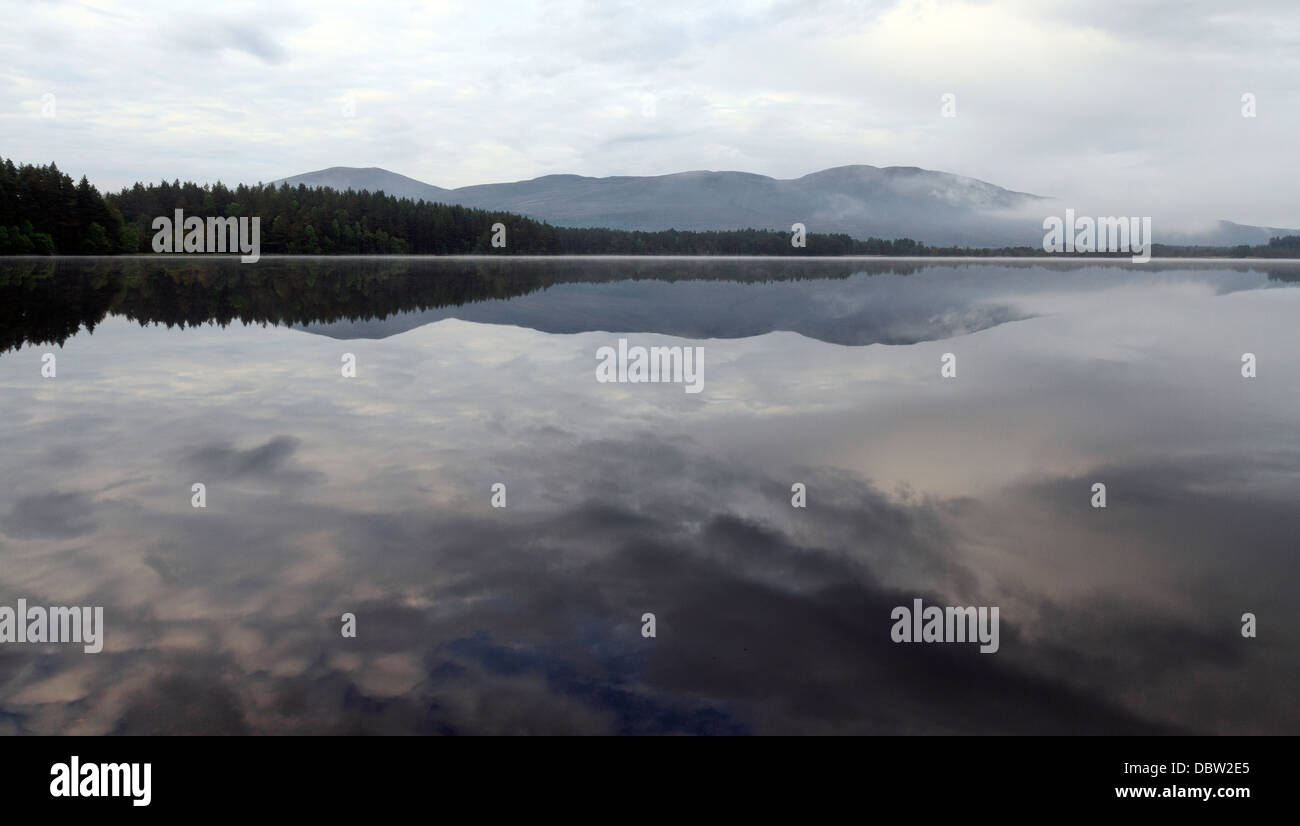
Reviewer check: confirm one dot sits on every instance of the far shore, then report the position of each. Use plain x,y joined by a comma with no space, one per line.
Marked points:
1120,258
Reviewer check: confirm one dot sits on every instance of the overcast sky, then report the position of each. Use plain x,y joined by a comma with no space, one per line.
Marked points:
1127,107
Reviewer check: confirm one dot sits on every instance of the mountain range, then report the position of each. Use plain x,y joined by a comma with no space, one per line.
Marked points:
938,208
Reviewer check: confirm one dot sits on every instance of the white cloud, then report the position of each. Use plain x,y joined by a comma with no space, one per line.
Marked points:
1133,108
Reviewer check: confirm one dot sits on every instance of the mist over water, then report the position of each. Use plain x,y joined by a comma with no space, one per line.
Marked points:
371,495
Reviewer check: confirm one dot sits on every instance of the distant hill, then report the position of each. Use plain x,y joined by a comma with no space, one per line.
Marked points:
939,208
890,202
370,178
1226,234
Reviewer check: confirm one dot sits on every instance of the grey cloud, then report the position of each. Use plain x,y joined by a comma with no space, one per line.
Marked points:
246,37
537,618
271,460
55,515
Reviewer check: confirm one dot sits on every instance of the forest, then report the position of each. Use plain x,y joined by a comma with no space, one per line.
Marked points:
42,212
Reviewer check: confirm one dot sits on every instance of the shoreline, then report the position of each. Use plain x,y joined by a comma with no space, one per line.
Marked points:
1117,259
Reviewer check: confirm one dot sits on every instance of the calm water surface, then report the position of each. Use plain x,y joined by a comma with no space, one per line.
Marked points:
372,495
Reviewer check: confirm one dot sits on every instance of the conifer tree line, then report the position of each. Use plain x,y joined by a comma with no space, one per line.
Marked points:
42,212
322,221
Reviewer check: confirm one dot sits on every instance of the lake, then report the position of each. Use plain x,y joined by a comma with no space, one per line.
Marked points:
424,445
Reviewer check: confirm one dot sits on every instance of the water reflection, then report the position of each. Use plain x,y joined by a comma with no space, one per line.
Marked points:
371,495
844,301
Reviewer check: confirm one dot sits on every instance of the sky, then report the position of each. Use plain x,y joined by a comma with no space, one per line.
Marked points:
1125,108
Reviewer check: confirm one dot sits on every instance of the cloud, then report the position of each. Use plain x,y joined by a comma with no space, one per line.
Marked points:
268,461
56,514
215,35
536,618
1131,111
